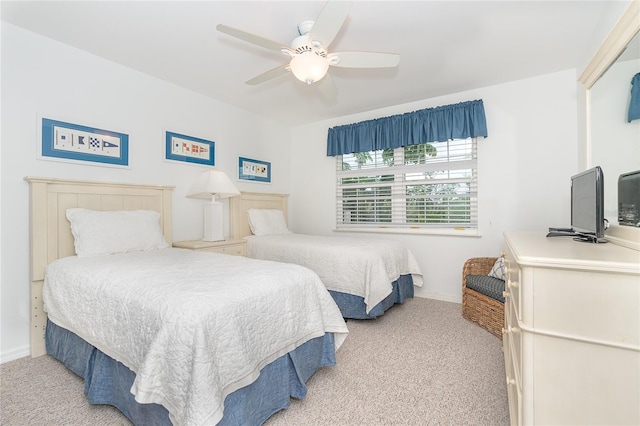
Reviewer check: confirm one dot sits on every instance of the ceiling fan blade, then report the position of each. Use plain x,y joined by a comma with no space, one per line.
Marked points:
271,74
364,59
327,87
251,38
329,22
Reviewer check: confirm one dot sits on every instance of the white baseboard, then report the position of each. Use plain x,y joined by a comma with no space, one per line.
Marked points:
441,297
14,354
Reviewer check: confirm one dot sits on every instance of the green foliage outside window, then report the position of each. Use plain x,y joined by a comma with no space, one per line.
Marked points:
371,191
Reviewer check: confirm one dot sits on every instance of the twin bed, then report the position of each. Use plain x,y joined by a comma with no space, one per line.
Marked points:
365,276
168,336
172,336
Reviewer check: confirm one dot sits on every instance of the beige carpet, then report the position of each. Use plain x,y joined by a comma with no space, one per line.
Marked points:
419,364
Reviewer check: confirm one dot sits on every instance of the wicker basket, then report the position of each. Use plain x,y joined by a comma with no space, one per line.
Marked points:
488,313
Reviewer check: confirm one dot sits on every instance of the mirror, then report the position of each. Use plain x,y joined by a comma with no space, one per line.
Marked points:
611,141
615,142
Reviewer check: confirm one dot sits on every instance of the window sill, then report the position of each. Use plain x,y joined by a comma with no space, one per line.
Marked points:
456,232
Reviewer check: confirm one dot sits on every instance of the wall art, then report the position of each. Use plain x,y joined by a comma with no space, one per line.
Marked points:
189,149
76,143
254,170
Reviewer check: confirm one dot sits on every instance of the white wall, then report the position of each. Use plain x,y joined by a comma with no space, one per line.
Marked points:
43,77
524,171
610,16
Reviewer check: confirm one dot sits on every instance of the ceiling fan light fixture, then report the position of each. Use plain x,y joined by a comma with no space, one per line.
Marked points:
309,67
309,58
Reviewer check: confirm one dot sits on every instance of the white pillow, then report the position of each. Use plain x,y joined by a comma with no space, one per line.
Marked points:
267,222
110,232
497,271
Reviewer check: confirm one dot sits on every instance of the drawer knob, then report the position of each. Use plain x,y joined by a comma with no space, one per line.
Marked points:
513,284
505,294
510,381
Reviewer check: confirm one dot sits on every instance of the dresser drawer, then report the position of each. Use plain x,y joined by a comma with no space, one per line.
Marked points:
513,335
514,392
513,284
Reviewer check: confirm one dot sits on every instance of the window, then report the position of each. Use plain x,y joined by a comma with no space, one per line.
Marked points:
432,185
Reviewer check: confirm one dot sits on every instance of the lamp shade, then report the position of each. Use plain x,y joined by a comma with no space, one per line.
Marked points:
211,184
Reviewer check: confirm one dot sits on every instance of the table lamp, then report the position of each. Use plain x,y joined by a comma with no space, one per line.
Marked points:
213,185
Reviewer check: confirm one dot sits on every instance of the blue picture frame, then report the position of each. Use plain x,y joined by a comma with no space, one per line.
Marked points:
254,170
189,149
74,142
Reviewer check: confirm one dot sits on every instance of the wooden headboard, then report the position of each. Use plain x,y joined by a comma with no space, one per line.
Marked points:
50,235
238,219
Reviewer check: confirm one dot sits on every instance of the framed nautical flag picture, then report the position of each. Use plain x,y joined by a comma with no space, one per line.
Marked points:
189,149
254,170
75,143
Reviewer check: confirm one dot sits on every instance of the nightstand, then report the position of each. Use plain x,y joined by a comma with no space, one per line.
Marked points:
233,247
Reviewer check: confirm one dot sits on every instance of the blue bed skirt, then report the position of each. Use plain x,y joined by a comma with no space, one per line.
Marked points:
353,306
108,381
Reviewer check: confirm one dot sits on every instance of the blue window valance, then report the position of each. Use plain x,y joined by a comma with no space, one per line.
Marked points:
439,124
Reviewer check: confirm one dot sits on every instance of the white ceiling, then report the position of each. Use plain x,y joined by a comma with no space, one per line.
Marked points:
445,46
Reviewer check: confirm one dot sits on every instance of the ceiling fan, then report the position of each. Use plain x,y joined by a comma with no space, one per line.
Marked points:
309,56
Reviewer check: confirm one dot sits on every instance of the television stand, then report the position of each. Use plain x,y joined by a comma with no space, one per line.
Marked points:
586,238
571,339
562,232
565,230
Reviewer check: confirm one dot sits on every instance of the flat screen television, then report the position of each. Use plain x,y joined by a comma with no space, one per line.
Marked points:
629,199
587,205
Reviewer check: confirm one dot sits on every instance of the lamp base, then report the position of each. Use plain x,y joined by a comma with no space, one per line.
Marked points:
213,222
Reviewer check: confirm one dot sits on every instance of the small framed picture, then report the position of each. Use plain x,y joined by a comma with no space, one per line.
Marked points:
189,149
75,143
254,170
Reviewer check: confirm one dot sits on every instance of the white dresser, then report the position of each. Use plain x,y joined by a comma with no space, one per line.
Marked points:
572,331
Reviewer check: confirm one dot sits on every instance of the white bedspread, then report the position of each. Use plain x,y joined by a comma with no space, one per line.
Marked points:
193,326
360,266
